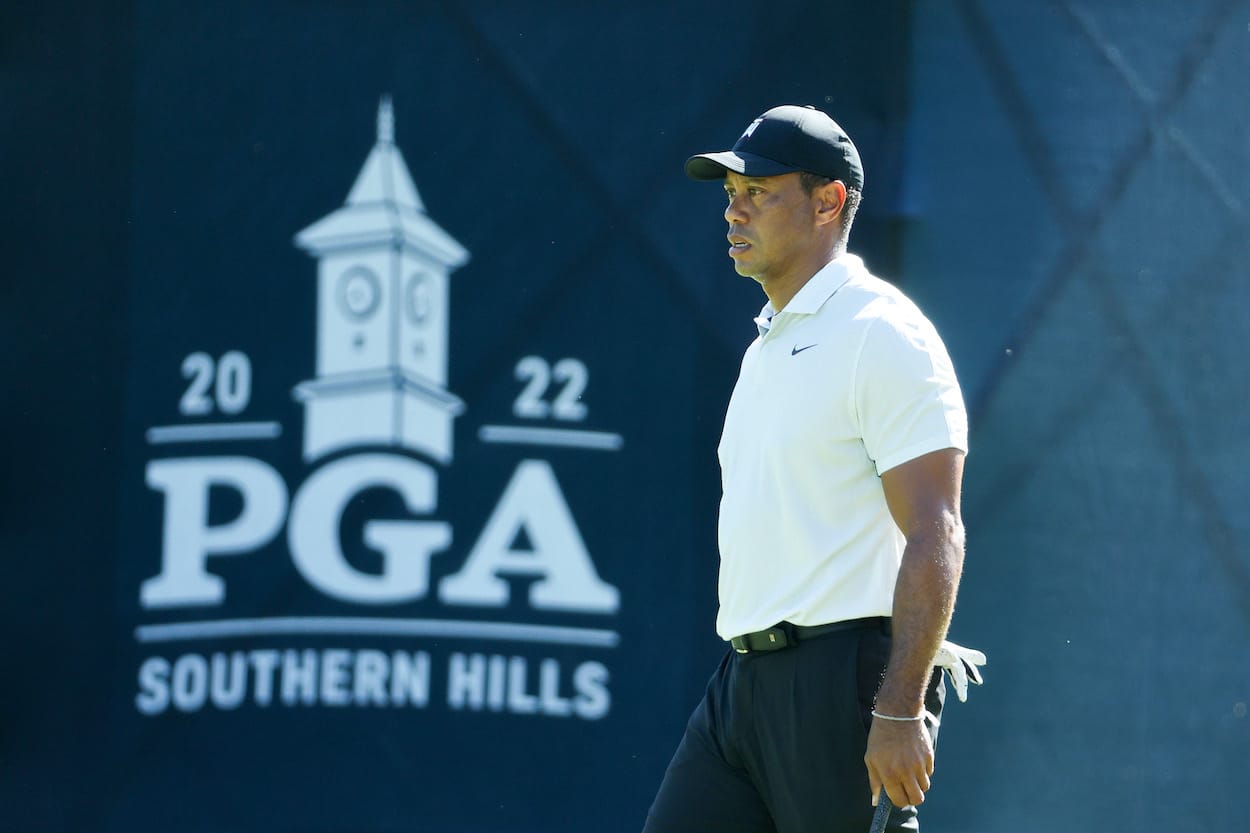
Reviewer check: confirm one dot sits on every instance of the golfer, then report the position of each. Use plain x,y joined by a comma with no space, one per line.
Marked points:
840,534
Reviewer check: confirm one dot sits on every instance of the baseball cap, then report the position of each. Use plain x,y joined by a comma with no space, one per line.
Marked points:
784,139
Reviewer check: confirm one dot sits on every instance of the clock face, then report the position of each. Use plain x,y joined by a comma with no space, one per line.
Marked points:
418,297
359,293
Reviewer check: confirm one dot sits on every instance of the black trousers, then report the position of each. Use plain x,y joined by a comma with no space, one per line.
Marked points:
777,743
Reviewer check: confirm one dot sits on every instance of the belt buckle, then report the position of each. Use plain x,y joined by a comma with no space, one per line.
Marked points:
779,637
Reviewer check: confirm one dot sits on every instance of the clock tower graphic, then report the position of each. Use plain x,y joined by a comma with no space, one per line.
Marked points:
383,268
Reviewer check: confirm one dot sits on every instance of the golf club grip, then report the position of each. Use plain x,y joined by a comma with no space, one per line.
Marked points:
882,816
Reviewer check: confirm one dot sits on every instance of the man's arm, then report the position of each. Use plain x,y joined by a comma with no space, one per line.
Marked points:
923,497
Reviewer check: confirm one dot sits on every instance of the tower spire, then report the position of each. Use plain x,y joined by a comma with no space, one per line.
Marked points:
386,121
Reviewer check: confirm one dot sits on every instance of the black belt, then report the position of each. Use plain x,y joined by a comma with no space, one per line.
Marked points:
785,634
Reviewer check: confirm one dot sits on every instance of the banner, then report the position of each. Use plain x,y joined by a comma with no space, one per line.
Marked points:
400,347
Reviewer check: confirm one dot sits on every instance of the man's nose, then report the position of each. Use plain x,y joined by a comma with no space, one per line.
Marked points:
734,213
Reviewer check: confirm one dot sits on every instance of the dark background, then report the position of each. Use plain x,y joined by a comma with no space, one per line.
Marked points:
1062,186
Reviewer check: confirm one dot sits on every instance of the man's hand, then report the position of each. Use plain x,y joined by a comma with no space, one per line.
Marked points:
899,758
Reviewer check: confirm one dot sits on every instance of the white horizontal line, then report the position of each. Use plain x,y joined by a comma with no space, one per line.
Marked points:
213,431
599,440
341,625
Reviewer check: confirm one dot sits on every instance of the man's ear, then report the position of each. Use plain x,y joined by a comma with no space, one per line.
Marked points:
830,200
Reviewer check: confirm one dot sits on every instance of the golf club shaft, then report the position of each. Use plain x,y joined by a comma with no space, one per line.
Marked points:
882,816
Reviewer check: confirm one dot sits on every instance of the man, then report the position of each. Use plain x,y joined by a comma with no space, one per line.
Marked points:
840,532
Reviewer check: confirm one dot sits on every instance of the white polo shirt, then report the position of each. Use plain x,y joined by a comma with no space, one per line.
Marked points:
847,382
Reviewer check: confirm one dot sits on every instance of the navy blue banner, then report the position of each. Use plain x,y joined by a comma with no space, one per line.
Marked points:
397,498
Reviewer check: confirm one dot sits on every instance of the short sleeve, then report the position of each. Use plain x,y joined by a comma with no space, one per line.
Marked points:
907,398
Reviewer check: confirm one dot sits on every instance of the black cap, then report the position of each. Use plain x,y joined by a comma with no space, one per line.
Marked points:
786,139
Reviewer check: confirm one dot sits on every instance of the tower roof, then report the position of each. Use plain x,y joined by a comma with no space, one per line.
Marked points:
383,207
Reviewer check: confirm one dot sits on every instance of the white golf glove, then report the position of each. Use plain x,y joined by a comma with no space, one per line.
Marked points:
960,664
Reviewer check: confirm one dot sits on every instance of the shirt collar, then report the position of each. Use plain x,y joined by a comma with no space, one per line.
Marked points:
819,288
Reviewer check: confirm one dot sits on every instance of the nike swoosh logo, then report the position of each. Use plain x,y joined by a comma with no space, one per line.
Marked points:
794,351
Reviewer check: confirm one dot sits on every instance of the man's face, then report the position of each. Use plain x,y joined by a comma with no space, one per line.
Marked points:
772,226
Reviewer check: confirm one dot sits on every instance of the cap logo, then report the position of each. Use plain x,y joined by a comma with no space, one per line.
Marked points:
751,129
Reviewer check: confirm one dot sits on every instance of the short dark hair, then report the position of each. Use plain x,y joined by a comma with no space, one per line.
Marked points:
810,182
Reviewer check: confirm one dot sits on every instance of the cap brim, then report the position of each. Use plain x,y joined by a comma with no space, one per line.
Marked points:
707,166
